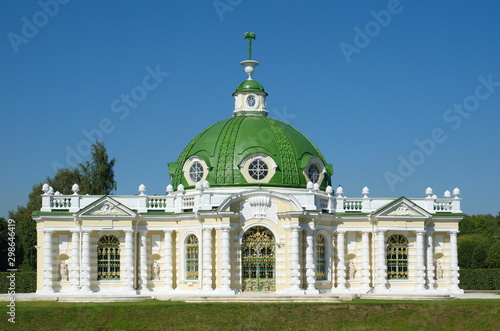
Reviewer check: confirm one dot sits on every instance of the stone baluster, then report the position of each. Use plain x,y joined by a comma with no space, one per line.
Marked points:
168,260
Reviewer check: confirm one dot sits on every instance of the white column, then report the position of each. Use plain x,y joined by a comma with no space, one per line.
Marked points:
168,260
226,259
341,260
381,263
430,262
75,260
85,272
332,261
420,261
310,265
365,261
129,261
294,259
47,262
207,260
454,261
143,283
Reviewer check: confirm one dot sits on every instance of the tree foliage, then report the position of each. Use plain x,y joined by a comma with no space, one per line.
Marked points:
95,177
479,242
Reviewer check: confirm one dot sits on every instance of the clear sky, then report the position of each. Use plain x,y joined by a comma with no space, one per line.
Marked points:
398,95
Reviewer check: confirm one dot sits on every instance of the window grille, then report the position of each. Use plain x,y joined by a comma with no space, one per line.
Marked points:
192,248
320,257
397,257
108,258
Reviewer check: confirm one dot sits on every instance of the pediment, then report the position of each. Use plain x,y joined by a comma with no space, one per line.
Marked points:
402,208
106,207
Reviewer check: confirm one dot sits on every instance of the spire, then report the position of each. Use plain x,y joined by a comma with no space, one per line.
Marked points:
250,97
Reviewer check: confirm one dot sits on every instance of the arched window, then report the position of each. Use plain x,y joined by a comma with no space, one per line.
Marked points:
397,257
191,249
320,257
108,258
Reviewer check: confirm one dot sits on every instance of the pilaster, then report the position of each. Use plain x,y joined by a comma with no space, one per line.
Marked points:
207,259
85,272
129,261
365,261
143,282
310,265
75,260
420,261
381,263
47,262
341,268
168,260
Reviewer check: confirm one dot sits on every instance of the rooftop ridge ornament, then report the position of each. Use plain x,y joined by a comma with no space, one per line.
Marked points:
249,36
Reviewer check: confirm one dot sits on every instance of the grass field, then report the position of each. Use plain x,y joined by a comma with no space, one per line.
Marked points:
165,315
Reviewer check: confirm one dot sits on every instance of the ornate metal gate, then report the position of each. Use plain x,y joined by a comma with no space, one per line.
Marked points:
258,260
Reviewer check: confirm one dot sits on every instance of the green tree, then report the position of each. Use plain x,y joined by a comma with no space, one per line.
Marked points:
3,243
98,176
484,225
472,251
493,256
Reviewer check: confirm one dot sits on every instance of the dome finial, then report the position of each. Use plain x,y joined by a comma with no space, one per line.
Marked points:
249,36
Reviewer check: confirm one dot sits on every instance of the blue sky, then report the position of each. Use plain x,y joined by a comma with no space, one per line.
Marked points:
398,95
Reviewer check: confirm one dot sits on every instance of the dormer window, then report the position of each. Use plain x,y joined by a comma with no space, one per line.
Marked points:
314,171
258,168
195,170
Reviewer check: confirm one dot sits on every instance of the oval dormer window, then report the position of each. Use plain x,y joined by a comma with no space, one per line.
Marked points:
258,168
195,170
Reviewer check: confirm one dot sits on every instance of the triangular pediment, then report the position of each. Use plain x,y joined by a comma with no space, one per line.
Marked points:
106,207
402,207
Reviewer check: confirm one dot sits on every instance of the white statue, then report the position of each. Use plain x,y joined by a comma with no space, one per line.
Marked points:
64,270
439,270
352,270
156,270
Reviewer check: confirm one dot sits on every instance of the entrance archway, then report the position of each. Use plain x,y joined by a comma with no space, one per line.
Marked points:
258,260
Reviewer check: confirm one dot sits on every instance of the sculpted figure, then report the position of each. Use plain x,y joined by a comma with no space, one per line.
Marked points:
64,271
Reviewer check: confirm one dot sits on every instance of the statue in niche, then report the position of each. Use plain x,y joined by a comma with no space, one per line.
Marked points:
155,270
439,270
351,270
63,270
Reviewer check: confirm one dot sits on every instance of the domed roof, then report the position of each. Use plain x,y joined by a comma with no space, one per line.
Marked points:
250,85
226,145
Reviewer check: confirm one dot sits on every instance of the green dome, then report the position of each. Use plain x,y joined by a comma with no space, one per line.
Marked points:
250,85
225,145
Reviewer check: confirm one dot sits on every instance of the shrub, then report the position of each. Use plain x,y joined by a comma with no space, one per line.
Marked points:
480,279
25,282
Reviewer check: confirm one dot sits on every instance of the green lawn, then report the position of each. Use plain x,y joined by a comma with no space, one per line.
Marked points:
165,315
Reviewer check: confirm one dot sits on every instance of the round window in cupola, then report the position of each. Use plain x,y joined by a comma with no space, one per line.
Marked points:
314,171
195,170
258,168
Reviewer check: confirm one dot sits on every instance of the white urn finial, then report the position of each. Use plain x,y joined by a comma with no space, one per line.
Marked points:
180,188
199,186
456,192
329,190
170,188
309,185
206,184
142,189
315,187
75,188
45,188
51,190
447,194
429,192
340,191
365,192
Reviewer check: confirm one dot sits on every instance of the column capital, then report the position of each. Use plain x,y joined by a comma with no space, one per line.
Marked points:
421,232
342,232
48,232
168,231
75,231
454,232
